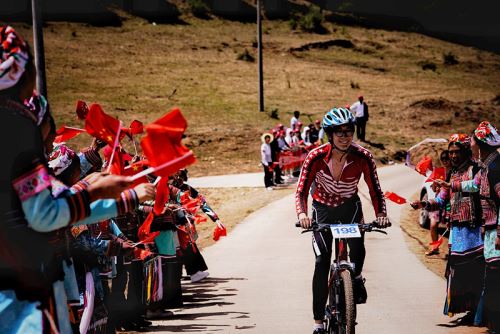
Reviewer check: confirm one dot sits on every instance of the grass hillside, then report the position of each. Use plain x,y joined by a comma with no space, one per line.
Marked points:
140,70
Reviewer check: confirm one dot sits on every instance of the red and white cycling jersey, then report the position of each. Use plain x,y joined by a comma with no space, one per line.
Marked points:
327,190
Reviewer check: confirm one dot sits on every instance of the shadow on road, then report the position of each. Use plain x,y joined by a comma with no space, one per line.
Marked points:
192,328
211,292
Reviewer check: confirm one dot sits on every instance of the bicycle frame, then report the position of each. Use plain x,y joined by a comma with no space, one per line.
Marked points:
340,312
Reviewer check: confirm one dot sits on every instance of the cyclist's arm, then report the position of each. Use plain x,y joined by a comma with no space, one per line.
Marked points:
371,178
306,178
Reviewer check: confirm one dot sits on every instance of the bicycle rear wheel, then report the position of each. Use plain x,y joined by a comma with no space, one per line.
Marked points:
346,316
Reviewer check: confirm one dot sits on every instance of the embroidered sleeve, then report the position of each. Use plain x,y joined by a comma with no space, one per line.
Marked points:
79,186
128,202
44,213
115,230
440,201
32,182
89,160
209,212
469,186
100,210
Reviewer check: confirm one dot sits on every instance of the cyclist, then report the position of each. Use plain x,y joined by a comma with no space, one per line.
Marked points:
333,171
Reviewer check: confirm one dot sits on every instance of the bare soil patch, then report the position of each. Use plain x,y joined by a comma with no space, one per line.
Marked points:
418,239
140,70
233,205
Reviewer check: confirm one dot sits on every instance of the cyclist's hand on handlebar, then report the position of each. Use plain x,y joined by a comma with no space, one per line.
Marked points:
304,221
383,222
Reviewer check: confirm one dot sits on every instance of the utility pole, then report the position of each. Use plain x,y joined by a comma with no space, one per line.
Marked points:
259,46
36,12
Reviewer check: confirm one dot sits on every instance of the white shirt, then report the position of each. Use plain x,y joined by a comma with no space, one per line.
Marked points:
293,122
358,109
265,153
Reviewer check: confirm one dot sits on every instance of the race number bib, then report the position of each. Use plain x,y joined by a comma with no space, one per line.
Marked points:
342,231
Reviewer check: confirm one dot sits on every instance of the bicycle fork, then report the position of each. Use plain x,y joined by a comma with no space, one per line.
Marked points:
331,312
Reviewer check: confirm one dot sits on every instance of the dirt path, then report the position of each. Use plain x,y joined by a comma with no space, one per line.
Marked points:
261,278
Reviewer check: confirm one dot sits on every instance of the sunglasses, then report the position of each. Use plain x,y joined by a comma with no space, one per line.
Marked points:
348,133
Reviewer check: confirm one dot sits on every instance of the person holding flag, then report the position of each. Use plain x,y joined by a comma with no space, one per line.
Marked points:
195,264
486,140
31,283
466,260
436,216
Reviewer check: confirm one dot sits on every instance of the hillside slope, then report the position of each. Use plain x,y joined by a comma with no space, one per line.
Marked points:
141,70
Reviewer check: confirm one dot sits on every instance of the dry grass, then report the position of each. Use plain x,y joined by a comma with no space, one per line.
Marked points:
133,71
418,240
232,205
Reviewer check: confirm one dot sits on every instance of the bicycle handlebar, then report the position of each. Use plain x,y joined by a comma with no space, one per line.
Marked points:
370,227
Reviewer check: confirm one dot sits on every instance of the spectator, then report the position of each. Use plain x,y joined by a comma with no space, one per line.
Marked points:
266,160
316,133
275,150
288,137
281,140
306,135
436,216
360,111
295,119
466,265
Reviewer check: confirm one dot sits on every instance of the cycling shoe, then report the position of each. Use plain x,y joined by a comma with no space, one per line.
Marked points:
360,294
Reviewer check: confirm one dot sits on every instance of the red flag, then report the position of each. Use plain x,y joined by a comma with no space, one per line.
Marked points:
136,127
192,205
436,244
424,165
162,144
100,125
117,165
394,197
135,168
65,133
219,231
438,173
198,219
81,109
142,254
162,195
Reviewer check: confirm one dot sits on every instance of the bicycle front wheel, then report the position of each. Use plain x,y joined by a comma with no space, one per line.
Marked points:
346,306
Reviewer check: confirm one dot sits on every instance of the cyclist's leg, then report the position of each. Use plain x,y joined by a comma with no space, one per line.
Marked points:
357,253
322,245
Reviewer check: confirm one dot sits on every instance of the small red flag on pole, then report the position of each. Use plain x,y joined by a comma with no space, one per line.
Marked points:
394,197
162,145
66,133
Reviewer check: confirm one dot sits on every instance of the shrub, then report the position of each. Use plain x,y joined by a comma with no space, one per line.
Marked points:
199,8
245,56
311,21
354,85
275,113
428,65
449,58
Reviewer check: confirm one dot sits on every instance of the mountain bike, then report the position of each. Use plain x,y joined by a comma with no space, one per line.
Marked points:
340,311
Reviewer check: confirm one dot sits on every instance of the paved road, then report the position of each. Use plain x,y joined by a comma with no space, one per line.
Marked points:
228,181
261,278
